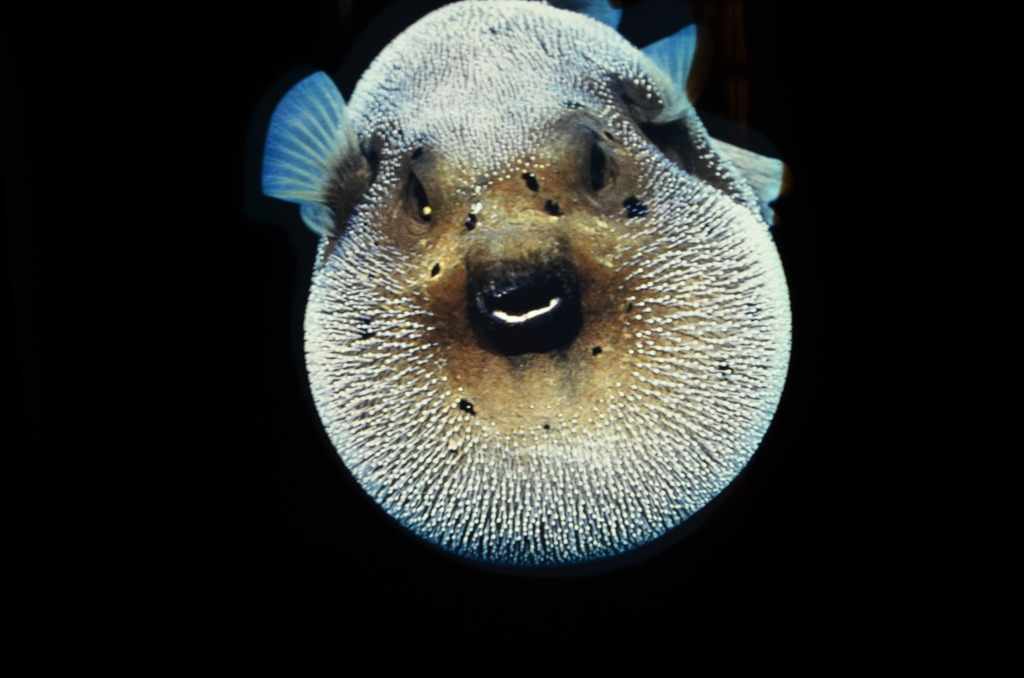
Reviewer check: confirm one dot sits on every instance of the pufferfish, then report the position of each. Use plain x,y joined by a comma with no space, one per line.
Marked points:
547,322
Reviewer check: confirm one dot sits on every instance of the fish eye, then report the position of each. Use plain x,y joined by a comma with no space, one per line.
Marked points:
418,199
600,168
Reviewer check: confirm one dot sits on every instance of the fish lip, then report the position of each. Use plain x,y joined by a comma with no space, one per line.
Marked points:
519,309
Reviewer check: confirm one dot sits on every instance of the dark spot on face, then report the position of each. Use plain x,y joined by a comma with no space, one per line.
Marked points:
466,406
471,222
629,307
596,350
434,271
531,181
417,153
634,208
572,104
546,427
552,208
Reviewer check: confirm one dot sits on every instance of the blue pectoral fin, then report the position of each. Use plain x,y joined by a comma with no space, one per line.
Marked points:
765,175
674,56
306,139
595,9
319,218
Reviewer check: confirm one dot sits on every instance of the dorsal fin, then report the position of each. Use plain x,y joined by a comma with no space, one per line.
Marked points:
305,141
601,10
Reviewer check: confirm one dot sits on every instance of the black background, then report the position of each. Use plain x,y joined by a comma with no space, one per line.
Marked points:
170,493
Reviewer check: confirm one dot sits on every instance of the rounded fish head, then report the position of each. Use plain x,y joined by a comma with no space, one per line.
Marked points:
553,326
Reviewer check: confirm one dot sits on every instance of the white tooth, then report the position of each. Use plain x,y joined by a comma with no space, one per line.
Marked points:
515,319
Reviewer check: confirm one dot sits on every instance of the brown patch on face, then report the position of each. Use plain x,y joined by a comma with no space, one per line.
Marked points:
490,241
517,393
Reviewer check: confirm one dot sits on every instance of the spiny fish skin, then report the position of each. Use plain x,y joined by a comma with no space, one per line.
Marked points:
547,322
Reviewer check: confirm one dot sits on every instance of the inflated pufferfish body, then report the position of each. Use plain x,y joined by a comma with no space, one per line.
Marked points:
547,323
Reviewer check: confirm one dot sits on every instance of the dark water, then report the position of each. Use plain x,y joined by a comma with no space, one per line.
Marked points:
170,492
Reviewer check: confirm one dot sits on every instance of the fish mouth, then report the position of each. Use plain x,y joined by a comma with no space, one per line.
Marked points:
526,309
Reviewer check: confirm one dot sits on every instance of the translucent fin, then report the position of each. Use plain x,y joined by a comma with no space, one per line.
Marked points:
306,139
765,175
319,218
674,55
595,9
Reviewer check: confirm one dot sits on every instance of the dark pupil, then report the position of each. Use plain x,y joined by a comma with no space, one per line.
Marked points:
598,168
420,197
